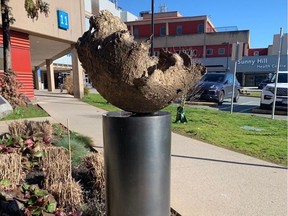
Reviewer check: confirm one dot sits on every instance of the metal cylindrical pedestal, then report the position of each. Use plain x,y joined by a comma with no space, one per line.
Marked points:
137,150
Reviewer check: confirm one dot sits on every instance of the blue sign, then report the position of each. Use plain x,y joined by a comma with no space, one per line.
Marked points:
63,21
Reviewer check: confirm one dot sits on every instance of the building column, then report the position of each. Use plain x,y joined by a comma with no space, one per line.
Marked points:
204,45
243,80
167,29
37,77
50,75
42,80
77,71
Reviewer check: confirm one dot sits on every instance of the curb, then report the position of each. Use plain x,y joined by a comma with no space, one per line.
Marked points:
278,112
201,103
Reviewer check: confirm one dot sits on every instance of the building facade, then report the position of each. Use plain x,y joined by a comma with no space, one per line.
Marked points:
198,37
37,45
45,47
195,35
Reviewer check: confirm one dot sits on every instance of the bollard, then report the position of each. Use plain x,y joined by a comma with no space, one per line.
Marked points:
137,152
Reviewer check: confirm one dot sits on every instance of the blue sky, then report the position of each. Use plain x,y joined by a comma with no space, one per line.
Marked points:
263,18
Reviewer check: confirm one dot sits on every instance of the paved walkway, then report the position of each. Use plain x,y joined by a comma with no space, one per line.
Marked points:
205,180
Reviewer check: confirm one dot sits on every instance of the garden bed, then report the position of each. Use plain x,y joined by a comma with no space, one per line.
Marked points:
39,175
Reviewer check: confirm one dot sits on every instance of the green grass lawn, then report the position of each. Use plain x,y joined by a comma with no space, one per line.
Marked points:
29,111
252,135
98,101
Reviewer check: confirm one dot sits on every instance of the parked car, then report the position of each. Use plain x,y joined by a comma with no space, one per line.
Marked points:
281,93
263,83
215,86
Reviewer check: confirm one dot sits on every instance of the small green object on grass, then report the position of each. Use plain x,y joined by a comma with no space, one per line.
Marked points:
180,116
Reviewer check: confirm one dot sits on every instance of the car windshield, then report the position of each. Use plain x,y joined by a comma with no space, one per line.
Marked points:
282,78
213,78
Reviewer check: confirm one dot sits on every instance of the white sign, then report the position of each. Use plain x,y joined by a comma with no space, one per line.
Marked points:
237,51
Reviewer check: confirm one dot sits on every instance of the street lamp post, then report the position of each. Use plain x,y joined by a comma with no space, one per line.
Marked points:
228,48
152,28
227,57
276,74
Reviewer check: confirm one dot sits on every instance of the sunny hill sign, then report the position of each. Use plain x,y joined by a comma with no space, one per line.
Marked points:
262,63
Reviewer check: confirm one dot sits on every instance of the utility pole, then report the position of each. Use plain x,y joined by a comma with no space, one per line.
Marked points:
276,75
237,54
152,29
234,75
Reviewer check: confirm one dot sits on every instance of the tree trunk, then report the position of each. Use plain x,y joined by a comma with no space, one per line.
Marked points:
6,36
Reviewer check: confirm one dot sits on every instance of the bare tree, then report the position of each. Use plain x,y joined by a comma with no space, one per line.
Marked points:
198,71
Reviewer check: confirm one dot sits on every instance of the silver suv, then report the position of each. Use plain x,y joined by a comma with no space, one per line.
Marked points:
281,95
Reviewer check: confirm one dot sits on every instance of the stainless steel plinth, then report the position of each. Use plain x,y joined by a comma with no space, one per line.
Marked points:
137,151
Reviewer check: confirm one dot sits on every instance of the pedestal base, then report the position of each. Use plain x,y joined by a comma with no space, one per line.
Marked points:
137,150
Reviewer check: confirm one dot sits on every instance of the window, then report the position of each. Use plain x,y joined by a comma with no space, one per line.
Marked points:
200,28
221,51
209,51
179,30
87,24
211,77
135,32
88,6
256,53
162,31
229,78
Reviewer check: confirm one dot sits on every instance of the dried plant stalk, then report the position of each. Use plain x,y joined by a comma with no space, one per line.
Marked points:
68,194
94,162
58,181
11,168
31,128
17,128
55,165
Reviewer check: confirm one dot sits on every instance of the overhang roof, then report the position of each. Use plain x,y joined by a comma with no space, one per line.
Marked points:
42,48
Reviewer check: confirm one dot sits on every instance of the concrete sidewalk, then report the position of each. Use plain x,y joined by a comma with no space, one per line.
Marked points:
205,180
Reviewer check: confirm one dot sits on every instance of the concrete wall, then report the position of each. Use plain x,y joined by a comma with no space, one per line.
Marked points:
201,39
276,43
230,37
88,6
98,5
127,16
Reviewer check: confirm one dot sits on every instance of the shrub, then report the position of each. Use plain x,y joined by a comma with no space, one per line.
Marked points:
10,89
90,174
36,129
79,146
68,84
86,91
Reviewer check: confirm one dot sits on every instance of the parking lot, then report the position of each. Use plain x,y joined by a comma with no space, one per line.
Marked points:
245,105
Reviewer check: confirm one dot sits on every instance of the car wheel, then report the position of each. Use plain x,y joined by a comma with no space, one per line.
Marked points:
220,97
237,96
